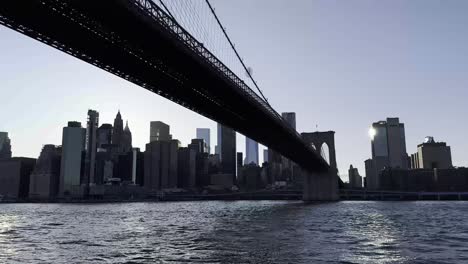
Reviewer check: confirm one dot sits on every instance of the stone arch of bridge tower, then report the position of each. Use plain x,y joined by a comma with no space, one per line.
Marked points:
318,139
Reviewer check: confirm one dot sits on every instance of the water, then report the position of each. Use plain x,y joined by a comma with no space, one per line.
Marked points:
235,232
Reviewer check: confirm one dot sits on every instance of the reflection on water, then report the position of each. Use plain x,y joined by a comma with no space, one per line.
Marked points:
235,232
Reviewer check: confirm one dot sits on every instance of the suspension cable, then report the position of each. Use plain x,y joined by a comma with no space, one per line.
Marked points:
235,51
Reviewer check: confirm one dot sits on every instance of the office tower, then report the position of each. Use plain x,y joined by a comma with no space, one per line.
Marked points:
227,145
126,139
251,151
117,132
204,133
388,149
186,168
201,161
160,165
159,131
355,180
290,118
44,181
73,144
388,141
432,155
14,177
5,146
104,136
91,147
265,155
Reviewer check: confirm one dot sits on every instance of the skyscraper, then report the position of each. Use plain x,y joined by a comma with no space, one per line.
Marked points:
388,149
159,131
5,147
265,155
388,141
204,133
160,165
44,180
73,144
126,139
104,135
251,151
117,132
91,147
227,147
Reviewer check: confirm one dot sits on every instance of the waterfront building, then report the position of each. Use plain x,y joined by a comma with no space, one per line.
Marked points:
388,149
201,162
15,176
432,155
204,133
227,145
251,151
5,146
71,168
159,131
160,165
44,180
91,147
355,180
186,168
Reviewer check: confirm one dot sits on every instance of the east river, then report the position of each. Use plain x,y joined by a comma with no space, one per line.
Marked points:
235,232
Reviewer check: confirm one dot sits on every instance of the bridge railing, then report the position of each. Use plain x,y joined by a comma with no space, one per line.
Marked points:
191,42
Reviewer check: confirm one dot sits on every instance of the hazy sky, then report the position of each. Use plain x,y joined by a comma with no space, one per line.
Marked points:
340,65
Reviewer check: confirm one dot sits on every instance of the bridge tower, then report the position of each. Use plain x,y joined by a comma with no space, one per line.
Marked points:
321,186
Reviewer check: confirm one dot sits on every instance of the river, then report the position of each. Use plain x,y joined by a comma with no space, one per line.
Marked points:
235,232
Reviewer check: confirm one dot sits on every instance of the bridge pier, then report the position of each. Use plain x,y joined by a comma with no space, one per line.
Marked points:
320,187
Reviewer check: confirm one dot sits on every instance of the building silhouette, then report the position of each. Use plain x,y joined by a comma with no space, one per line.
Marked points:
5,146
251,151
432,155
227,148
186,168
15,176
71,168
117,131
355,180
388,149
159,131
91,147
44,181
204,133
126,139
201,161
104,136
161,164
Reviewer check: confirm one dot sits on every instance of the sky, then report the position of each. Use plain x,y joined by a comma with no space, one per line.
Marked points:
340,65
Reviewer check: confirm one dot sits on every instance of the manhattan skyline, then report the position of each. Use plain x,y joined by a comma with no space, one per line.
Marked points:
374,75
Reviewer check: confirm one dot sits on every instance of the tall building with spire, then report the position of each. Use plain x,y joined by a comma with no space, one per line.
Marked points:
118,130
126,139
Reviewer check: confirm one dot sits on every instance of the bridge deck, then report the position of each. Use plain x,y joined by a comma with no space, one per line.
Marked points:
137,41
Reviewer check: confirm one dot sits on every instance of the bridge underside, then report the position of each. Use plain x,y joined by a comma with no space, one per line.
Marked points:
122,37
